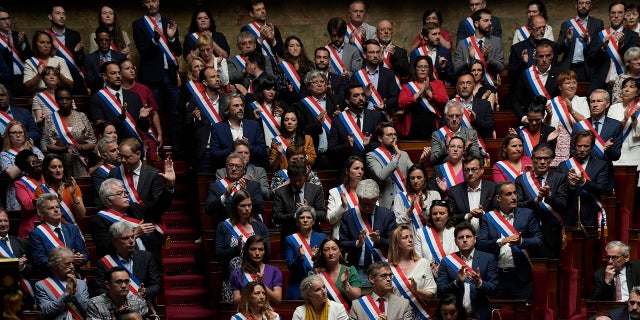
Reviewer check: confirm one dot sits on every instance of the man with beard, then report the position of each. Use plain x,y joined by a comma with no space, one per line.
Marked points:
480,114
235,127
351,129
481,45
524,53
336,85
440,56
265,32
203,111
379,82
466,27
93,62
453,113
345,57
117,297
68,46
509,248
391,306
588,180
118,106
631,311
393,57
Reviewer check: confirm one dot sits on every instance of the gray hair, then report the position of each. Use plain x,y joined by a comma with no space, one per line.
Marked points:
635,290
452,103
305,285
631,54
43,198
235,155
56,255
104,193
372,271
246,34
304,209
315,73
601,91
103,142
118,228
615,243
367,189
226,103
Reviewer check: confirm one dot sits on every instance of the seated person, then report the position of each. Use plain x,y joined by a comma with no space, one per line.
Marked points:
252,172
380,277
609,281
117,282
294,154
331,266
535,131
253,268
453,112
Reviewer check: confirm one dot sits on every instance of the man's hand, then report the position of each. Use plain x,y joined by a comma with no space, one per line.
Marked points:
172,28
609,273
145,111
375,236
169,175
475,277
22,262
78,258
442,62
367,139
350,140
608,144
569,34
477,212
300,252
361,238
78,47
461,275
144,228
544,191
426,151
525,56
71,287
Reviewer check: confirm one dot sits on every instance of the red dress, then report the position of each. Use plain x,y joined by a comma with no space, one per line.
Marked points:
418,123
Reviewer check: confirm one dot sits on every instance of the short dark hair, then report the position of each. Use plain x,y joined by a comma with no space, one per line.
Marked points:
542,8
429,11
476,15
370,41
352,86
579,135
202,76
338,25
381,126
499,186
470,157
464,225
615,3
537,105
320,49
257,57
102,29
22,156
113,270
544,147
252,3
543,43
103,68
296,169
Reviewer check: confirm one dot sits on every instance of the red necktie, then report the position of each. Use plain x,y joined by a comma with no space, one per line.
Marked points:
381,304
618,288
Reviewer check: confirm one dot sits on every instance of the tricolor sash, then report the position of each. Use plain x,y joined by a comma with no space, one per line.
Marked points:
267,117
65,135
48,100
469,23
283,142
241,61
31,184
352,128
472,44
195,36
15,55
205,105
466,122
414,87
386,62
504,227
352,199
363,225
163,43
612,49
24,283
434,244
561,109
291,74
420,51
508,170
527,139
445,133
224,183
385,157
402,284
55,287
248,277
536,83
524,32
105,169
5,118
115,216
370,307
237,231
573,163
298,241
364,80
255,28
50,237
34,62
117,108
599,146
449,175
456,263
333,292
357,39
416,213
64,53
533,187
627,126
64,208
578,30
121,173
239,316
336,61
134,285
283,173
316,109
13,152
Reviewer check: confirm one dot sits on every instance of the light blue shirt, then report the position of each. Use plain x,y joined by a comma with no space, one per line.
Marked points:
578,54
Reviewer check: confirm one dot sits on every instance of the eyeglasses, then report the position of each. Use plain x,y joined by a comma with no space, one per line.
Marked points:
121,281
614,258
539,28
122,194
35,163
386,276
235,166
472,170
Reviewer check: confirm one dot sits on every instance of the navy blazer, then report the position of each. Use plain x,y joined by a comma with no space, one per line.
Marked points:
609,129
151,56
387,87
100,111
312,126
24,116
221,211
445,74
154,195
447,276
337,138
40,247
567,49
599,185
284,207
618,314
524,94
71,40
527,224
92,66
399,62
24,51
459,199
201,128
600,59
222,142
607,292
299,268
464,31
20,247
483,124
384,220
144,269
278,48
517,65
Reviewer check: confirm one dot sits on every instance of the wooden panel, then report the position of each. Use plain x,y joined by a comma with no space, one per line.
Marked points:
517,308
601,307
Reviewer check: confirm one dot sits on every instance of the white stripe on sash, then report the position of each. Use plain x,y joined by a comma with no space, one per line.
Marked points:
402,284
524,32
223,183
65,135
333,292
55,287
536,83
599,145
205,105
50,237
352,128
241,61
357,39
315,108
573,163
364,80
15,55
131,188
48,100
533,187
299,241
370,307
414,87
352,199
267,117
455,263
363,225
434,244
385,157
255,28
64,53
116,107
449,175
612,49
578,30
508,170
134,285
527,139
291,74
471,43
5,118
64,208
163,43
24,283
561,109
335,59
282,141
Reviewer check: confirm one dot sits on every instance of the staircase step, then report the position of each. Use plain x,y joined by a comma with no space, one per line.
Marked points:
186,281
181,249
188,312
177,220
186,297
174,265
183,234
180,204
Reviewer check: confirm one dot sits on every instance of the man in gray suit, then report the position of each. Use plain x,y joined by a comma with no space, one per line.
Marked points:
252,172
453,127
482,43
390,305
346,52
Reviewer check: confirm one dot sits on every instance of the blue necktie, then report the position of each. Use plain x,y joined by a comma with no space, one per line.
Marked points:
59,233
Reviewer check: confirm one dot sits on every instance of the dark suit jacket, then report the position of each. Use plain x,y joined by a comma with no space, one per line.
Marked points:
527,224
312,126
384,220
23,51
24,116
221,211
20,247
479,296
459,198
567,48
387,87
71,40
337,138
278,48
599,185
445,74
40,247
100,111
201,129
144,269
284,207
7,77
607,292
618,314
464,32
524,94
610,128
399,62
517,66
154,195
92,69
600,59
483,124
222,142
151,56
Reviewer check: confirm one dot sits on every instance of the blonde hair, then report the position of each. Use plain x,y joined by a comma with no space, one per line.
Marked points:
394,245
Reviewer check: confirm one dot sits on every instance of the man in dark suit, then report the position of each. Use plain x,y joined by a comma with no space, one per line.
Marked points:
268,32
514,267
466,27
335,84
246,44
479,110
93,62
528,85
18,247
440,56
609,281
606,70
571,42
483,43
483,274
291,196
159,69
522,53
110,156
252,172
473,197
137,262
54,233
13,42
547,199
355,140
104,103
255,68
69,41
376,79
394,57
221,192
534,126
631,311
588,179
356,239
19,114
236,127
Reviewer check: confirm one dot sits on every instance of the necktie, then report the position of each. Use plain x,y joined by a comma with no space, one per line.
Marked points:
296,196
381,304
596,125
618,288
59,233
118,97
539,180
358,121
